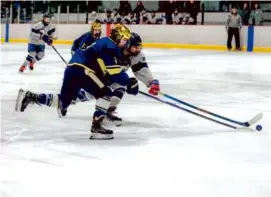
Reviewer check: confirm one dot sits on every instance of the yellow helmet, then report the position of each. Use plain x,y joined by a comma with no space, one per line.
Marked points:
96,25
118,32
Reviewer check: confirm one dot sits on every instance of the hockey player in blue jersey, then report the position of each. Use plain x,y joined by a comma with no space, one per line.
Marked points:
88,38
89,70
132,58
41,33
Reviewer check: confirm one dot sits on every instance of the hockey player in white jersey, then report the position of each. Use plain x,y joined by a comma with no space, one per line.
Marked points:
41,33
133,58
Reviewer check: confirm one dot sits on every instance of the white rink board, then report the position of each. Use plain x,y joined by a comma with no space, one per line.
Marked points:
207,34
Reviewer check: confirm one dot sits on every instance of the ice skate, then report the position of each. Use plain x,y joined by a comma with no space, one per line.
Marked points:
111,118
31,66
22,69
61,112
98,132
25,98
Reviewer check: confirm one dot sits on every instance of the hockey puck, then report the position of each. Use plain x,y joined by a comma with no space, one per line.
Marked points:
259,127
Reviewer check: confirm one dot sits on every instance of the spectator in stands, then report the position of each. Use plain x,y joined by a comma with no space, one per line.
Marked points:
138,10
233,27
224,5
125,7
93,17
108,19
139,7
176,17
153,19
186,19
170,6
256,15
125,18
144,17
245,14
193,9
133,18
116,17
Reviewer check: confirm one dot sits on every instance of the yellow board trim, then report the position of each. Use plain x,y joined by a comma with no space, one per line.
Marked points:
262,49
159,45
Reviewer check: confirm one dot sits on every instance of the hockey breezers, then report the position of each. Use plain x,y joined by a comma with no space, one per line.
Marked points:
198,114
254,120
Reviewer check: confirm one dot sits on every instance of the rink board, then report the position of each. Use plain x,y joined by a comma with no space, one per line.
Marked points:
207,37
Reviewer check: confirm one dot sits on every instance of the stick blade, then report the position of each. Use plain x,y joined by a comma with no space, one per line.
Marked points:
255,119
245,129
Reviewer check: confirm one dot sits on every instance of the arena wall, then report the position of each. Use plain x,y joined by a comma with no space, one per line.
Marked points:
212,37
3,32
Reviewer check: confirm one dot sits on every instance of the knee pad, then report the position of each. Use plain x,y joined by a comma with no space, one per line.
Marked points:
119,92
132,87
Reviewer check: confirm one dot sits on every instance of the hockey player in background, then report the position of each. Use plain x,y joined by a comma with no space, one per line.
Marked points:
89,70
88,38
41,33
133,58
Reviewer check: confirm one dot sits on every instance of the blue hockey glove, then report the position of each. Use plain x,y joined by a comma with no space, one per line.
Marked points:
47,39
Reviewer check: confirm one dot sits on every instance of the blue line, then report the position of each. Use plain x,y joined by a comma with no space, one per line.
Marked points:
7,32
250,38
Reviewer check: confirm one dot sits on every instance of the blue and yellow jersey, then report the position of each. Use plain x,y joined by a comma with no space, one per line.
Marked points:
101,56
83,41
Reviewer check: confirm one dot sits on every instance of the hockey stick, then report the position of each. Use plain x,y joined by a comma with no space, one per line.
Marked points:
252,121
59,55
197,114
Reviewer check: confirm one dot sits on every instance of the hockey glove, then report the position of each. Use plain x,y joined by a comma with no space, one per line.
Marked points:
154,87
47,39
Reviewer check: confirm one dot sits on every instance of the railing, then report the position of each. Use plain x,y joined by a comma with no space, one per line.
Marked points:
211,12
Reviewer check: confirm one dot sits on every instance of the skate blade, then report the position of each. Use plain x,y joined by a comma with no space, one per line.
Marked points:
58,108
98,136
19,99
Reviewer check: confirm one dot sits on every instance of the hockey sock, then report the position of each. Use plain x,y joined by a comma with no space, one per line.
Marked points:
117,97
28,60
48,99
102,104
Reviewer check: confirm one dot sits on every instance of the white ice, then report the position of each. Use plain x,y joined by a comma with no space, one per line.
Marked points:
159,151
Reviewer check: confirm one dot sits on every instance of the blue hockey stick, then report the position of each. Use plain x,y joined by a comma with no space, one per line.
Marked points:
195,113
255,119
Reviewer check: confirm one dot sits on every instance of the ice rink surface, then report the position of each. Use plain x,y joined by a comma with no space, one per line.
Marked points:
159,151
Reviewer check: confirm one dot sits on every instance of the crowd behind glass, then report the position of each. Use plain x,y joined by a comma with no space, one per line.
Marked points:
141,12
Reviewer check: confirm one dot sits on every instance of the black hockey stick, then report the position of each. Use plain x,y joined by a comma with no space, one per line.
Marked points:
197,114
252,121
59,55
